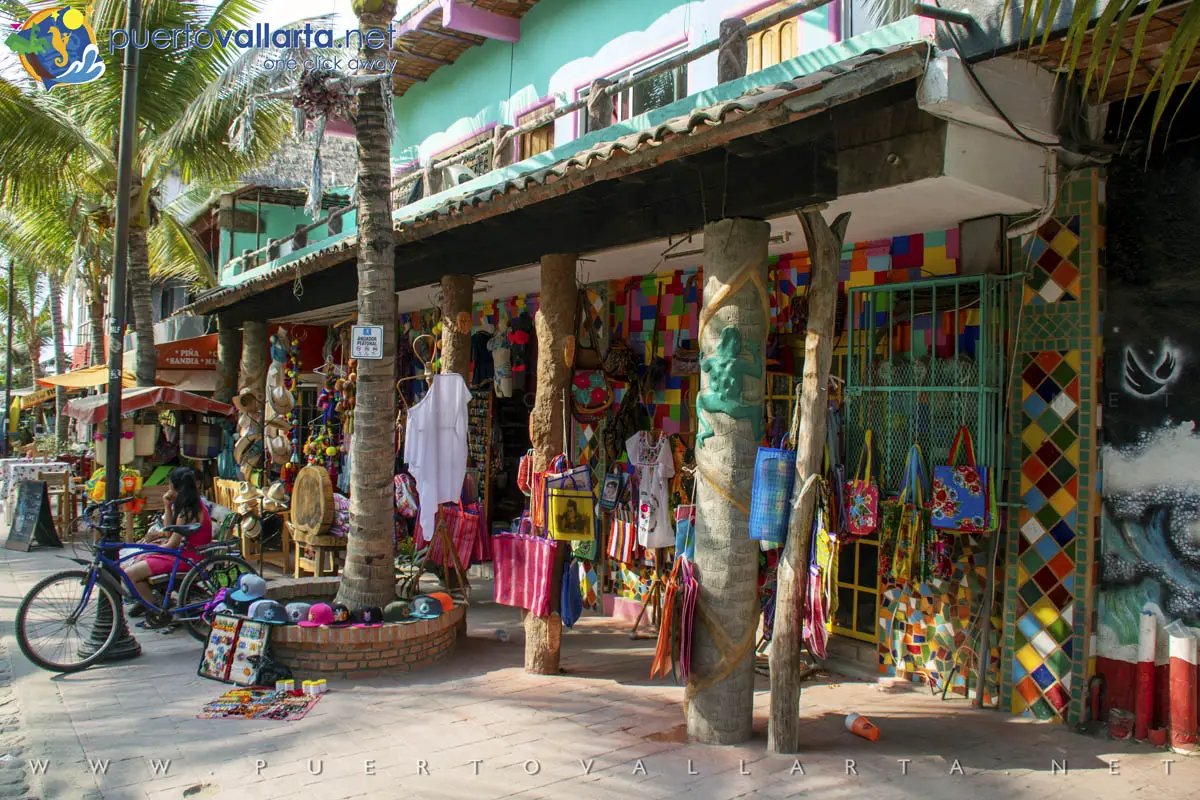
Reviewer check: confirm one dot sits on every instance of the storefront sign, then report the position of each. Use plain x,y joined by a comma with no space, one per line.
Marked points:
366,342
199,352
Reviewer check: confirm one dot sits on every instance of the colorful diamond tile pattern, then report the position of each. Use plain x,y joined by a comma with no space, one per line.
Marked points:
1044,611
1050,550
1053,256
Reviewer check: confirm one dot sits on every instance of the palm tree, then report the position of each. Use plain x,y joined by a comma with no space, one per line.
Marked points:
64,144
368,578
31,320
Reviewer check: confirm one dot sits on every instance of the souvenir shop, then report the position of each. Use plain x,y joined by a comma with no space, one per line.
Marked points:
905,548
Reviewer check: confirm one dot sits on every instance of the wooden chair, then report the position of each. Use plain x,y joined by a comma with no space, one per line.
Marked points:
62,505
319,555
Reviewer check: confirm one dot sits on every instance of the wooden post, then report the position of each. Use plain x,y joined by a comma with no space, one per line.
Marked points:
555,323
229,348
599,107
456,324
732,56
825,252
503,146
719,702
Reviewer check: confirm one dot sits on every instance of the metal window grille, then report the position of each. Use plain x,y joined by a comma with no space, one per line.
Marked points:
924,359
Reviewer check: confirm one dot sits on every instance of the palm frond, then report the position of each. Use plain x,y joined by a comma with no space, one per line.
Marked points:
45,150
1118,31
175,252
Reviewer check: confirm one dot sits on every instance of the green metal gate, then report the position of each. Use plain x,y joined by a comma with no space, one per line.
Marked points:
924,359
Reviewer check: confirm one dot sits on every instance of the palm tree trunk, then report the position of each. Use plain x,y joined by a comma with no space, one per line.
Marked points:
555,325
252,375
60,358
369,577
825,253
96,326
456,324
229,348
143,313
719,701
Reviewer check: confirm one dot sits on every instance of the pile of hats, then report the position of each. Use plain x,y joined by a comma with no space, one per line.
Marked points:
277,433
337,615
249,599
248,449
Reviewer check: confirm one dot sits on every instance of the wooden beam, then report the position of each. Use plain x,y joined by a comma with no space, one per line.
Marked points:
451,37
441,62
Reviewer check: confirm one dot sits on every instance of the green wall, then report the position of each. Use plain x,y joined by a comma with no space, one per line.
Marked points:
553,34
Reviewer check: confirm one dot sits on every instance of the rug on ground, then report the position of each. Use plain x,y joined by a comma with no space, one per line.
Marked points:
259,704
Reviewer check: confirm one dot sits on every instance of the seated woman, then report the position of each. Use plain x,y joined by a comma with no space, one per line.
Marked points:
183,507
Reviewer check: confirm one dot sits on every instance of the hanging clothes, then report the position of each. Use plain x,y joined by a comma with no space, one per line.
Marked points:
435,446
501,351
482,367
651,454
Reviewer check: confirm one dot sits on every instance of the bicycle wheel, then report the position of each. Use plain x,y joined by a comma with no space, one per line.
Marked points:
202,583
60,632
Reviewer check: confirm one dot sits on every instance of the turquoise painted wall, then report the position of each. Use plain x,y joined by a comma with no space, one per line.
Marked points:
477,86
279,223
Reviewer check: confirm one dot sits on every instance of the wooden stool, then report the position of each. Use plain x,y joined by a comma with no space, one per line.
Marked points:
320,555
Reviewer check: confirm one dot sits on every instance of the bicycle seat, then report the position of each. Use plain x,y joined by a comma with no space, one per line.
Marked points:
183,530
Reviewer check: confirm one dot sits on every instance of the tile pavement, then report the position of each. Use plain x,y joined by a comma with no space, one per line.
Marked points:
603,730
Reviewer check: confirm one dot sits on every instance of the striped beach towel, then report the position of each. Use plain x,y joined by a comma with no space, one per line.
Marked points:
522,566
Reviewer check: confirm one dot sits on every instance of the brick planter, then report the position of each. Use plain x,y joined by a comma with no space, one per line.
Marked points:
367,652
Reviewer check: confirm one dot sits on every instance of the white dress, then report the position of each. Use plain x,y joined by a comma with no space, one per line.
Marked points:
655,465
435,446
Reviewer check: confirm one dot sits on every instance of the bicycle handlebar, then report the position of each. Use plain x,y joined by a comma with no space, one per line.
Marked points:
107,505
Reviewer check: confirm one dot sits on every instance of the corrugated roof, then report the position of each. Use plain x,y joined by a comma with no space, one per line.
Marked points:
686,118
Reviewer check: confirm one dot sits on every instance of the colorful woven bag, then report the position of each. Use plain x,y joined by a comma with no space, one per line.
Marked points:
963,500
862,495
771,494
685,532
523,566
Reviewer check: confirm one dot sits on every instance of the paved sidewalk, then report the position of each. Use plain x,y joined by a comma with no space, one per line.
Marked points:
479,727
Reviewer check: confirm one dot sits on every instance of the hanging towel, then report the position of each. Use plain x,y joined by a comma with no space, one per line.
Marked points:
435,446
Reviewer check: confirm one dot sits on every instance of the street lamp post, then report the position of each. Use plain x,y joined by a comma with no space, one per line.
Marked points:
125,646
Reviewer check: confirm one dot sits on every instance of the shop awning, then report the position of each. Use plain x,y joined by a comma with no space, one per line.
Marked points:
86,378
189,380
93,409
37,398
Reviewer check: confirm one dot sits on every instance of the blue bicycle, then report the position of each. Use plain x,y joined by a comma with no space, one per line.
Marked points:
66,622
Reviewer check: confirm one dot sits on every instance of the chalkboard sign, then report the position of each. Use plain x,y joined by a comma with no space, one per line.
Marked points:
31,519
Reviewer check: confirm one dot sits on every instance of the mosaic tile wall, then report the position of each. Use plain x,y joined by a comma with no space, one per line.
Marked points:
897,260
932,628
1051,548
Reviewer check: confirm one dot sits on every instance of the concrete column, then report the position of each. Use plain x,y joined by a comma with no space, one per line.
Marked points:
733,334
732,56
457,293
555,322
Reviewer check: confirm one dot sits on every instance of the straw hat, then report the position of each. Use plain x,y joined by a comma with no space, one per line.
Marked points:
281,400
276,498
278,426
244,451
247,401
280,448
246,425
245,499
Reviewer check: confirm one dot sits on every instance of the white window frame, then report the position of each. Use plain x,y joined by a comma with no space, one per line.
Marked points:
622,101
